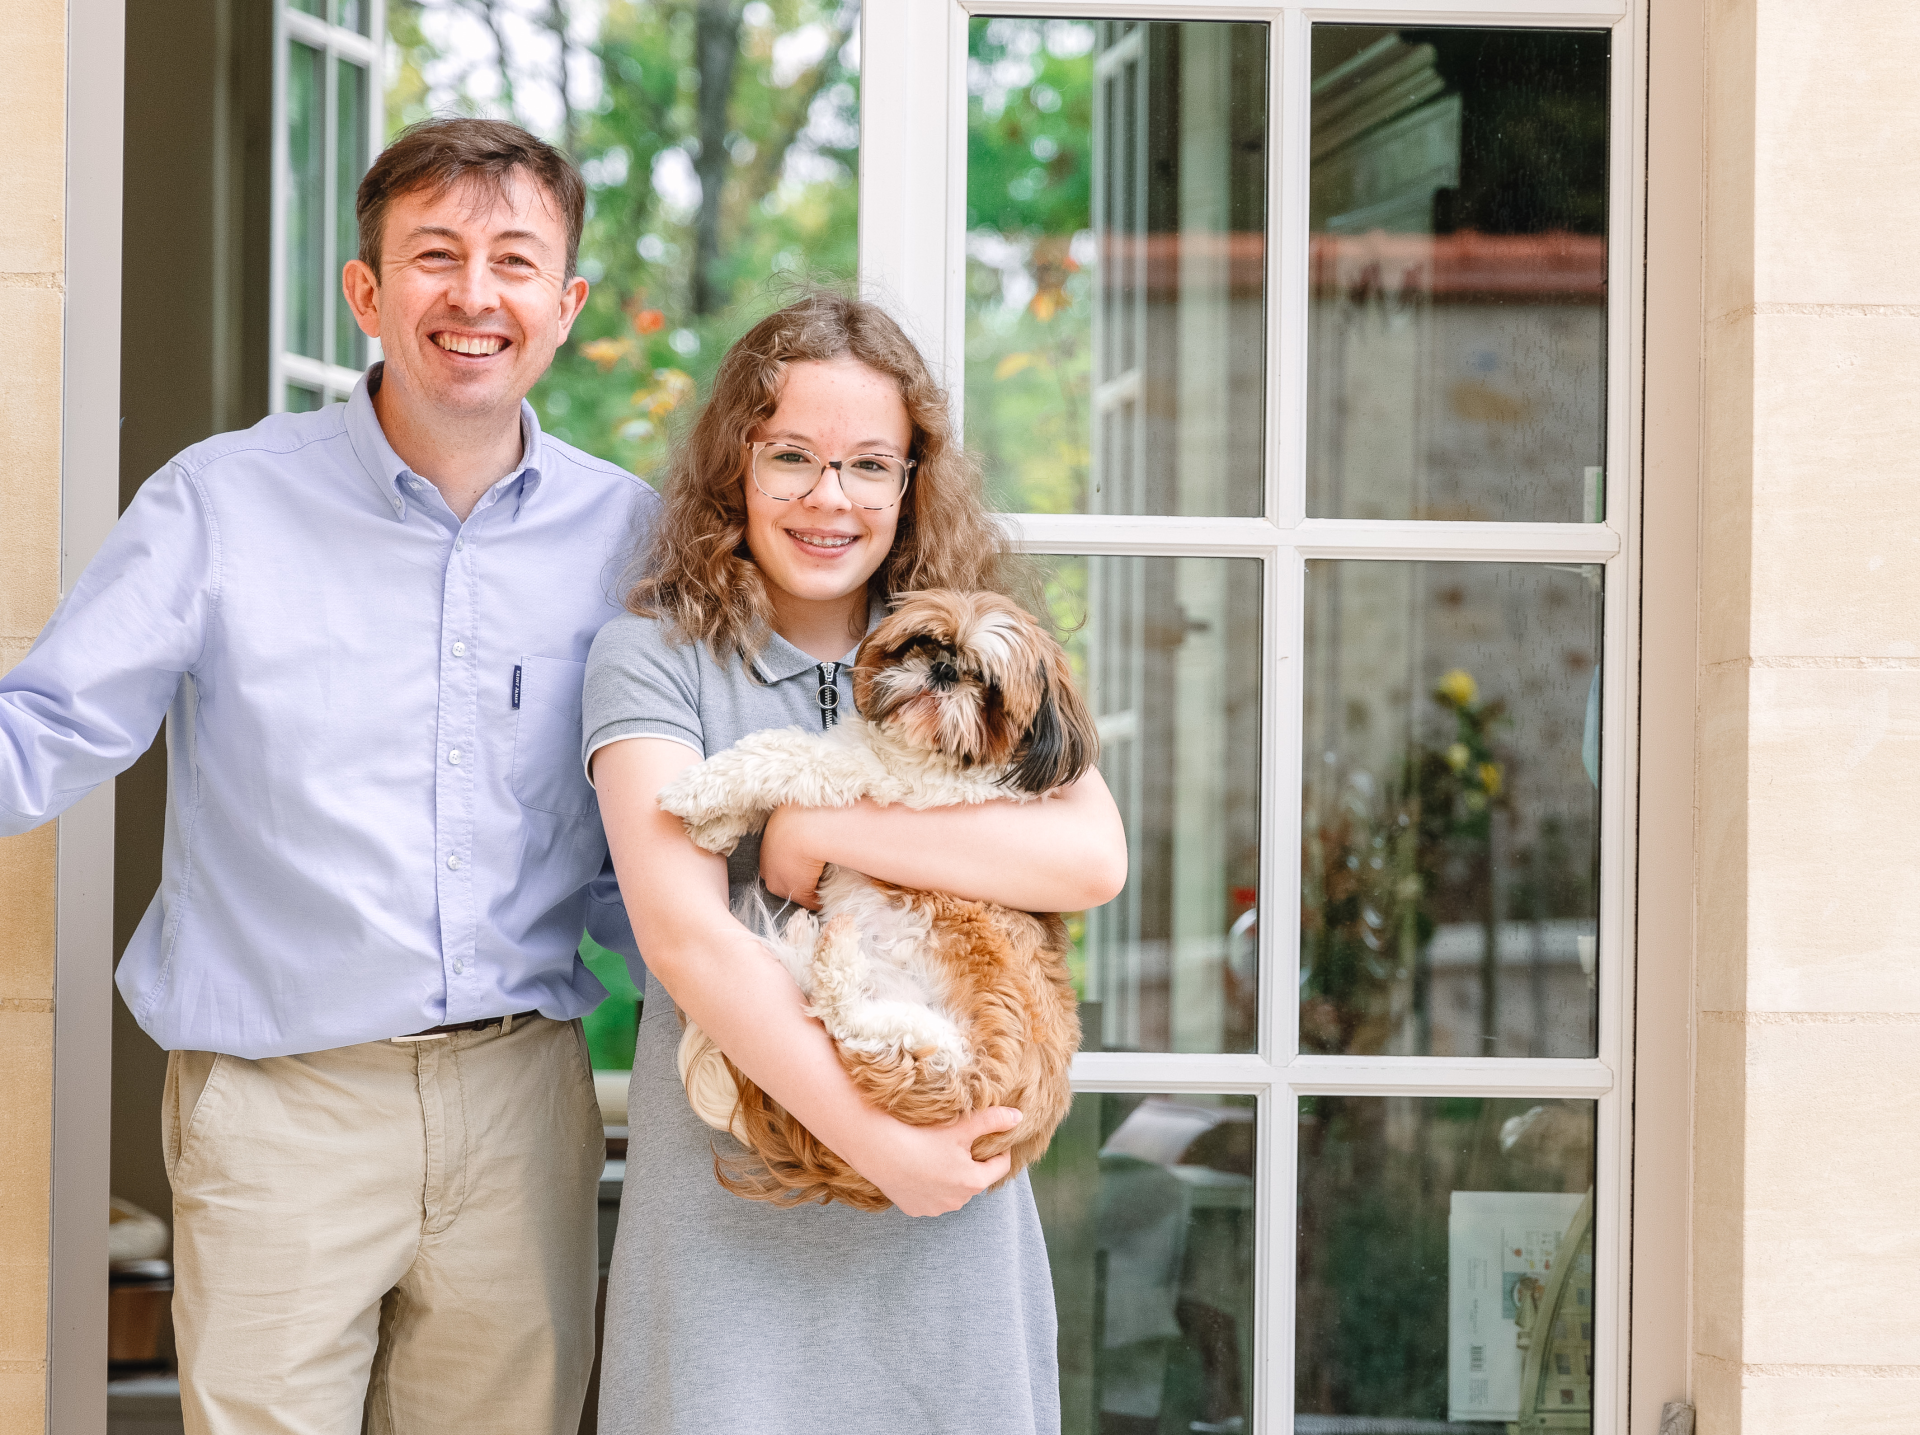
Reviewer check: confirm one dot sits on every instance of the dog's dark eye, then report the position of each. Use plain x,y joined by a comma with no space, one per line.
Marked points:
919,642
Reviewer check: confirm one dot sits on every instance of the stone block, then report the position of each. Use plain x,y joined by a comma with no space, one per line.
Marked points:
33,36
27,901
1726,500
30,479
1719,1195
1860,1401
1721,840
1833,785
1836,130
1836,486
26,1135
1832,1181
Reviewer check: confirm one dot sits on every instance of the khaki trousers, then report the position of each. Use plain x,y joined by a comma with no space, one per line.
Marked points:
400,1229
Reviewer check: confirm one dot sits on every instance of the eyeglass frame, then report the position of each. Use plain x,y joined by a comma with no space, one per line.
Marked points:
753,454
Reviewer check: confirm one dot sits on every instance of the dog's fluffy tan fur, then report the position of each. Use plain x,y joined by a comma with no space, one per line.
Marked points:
938,1006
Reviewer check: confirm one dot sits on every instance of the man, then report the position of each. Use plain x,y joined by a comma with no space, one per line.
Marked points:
367,629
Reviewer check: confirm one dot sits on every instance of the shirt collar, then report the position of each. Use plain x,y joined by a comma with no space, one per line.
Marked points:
389,474
780,660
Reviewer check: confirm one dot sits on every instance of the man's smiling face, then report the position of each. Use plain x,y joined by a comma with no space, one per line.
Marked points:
472,297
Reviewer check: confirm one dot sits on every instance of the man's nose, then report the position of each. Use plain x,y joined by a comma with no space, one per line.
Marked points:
471,289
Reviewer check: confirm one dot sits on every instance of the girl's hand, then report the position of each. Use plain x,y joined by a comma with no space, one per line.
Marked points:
930,1170
787,864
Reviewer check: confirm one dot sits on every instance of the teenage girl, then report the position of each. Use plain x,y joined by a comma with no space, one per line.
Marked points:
821,478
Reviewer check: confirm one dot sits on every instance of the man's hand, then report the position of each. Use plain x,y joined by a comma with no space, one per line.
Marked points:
787,863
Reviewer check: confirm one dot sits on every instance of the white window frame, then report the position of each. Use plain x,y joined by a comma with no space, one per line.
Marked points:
332,381
912,256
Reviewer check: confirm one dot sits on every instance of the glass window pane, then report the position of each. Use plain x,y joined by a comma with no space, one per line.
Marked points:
1168,653
1450,848
310,7
1457,325
306,277
300,399
1445,1264
349,344
352,14
1116,211
1148,1207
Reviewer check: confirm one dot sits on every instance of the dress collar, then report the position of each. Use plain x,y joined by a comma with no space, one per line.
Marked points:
780,660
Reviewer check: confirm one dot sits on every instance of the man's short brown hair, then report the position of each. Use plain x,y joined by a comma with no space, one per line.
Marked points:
435,155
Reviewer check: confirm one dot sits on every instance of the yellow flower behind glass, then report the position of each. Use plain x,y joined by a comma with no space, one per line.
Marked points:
1458,756
1457,688
1490,778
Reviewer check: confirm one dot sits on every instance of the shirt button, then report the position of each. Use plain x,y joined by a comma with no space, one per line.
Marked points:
453,863
454,757
458,966
459,543
459,650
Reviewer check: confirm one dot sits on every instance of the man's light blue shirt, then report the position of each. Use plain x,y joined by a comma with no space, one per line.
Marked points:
377,820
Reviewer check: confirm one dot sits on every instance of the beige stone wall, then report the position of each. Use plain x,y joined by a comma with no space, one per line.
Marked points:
32,175
1806,1221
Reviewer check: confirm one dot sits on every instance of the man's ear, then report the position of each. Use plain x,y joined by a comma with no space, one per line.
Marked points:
362,291
573,298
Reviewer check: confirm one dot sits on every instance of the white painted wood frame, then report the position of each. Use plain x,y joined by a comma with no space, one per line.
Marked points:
331,380
912,257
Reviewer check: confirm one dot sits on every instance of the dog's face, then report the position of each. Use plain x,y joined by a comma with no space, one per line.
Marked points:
973,676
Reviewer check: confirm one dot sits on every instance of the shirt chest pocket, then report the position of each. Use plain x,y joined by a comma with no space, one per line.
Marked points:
546,737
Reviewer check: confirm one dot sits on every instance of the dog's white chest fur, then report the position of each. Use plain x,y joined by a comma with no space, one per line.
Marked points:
865,968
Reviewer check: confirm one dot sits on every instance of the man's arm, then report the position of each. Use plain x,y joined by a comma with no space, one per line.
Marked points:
91,692
609,925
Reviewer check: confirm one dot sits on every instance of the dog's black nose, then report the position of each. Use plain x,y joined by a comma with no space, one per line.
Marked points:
943,673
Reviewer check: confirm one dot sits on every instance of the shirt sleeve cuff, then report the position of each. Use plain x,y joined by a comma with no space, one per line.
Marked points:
638,727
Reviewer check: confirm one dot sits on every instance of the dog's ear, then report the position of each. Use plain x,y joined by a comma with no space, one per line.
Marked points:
1061,741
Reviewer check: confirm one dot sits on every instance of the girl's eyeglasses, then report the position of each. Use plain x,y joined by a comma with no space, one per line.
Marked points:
785,471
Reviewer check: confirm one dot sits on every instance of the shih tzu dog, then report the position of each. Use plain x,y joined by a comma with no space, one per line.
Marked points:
937,1006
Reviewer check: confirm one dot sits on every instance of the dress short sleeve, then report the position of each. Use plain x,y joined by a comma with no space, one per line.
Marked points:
640,683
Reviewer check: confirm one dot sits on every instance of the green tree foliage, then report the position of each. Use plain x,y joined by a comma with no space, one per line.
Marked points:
657,319
1029,245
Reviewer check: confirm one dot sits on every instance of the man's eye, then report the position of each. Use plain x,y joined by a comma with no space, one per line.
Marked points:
515,259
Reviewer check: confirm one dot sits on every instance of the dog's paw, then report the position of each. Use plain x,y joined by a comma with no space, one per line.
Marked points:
718,835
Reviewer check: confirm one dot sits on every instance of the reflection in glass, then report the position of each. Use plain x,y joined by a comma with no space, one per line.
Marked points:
1167,651
1450,846
306,198
1148,1207
1457,330
1116,208
300,399
1445,1263
350,125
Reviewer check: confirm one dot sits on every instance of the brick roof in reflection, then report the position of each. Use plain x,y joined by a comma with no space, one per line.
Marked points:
1548,268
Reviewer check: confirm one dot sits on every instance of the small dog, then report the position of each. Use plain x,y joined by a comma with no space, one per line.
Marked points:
937,1006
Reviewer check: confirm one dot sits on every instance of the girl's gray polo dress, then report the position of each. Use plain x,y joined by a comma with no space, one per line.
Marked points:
733,1315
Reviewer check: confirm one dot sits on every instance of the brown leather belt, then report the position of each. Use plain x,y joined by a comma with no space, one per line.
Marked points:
459,1026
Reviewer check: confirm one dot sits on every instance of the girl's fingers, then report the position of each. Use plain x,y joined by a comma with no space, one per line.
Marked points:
990,1120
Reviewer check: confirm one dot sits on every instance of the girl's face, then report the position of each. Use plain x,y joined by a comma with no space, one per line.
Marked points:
822,548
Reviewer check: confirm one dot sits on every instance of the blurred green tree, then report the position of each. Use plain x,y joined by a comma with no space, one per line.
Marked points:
718,140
